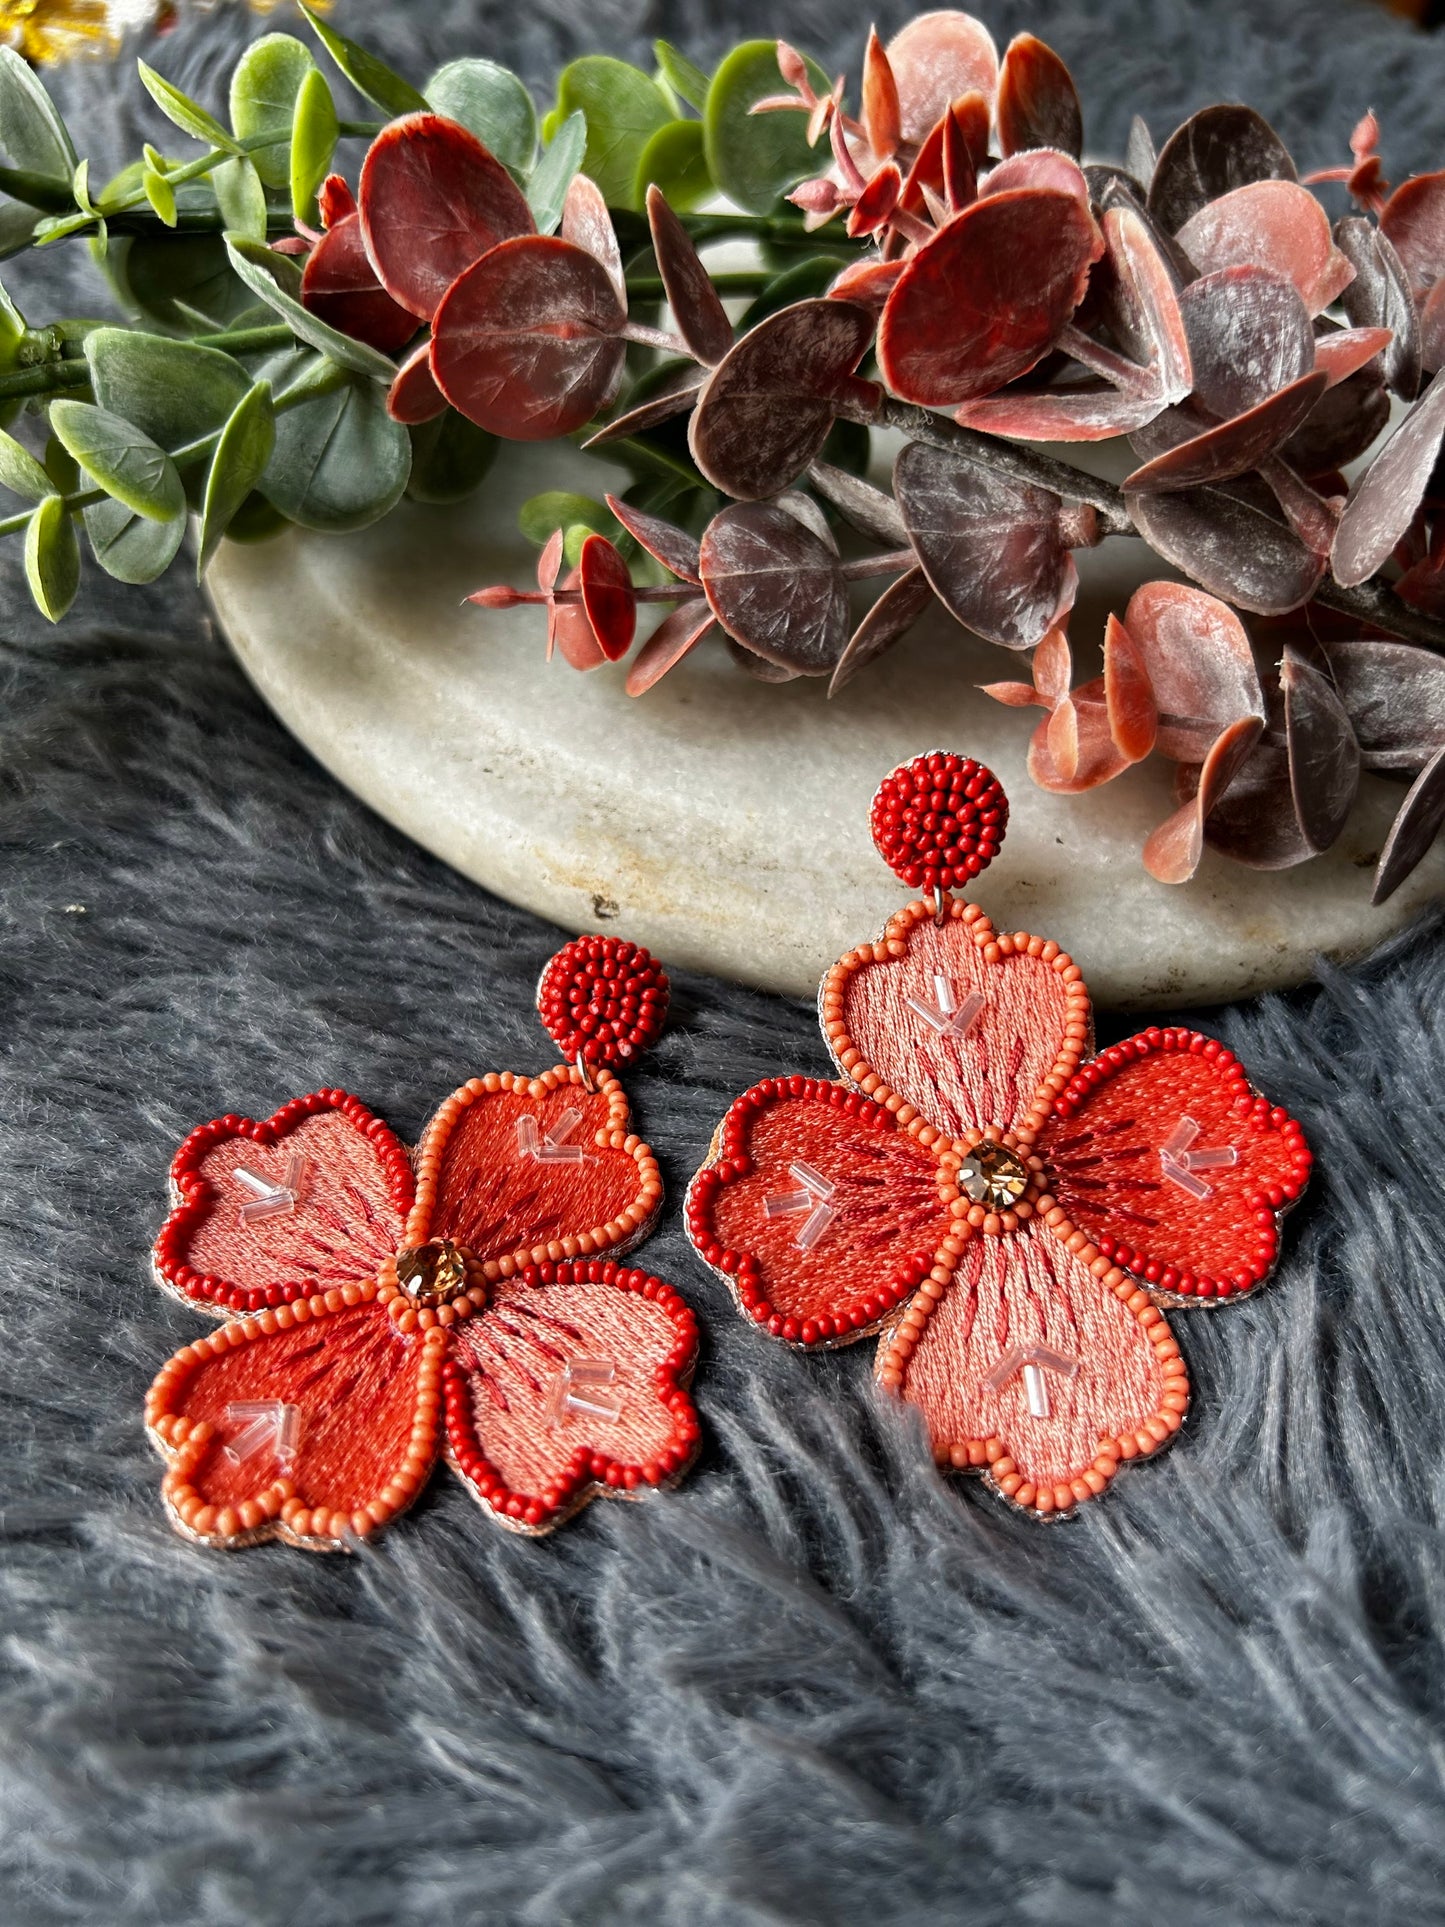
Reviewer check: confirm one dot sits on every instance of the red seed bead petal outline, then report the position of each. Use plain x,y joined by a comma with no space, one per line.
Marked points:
939,821
590,1474
729,1161
1175,1284
192,1194
611,1038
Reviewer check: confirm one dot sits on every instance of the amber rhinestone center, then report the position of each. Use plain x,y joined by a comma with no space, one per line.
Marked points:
993,1175
432,1273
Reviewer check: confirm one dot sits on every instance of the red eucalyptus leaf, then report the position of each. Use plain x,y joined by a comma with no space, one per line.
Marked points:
993,548
432,201
414,396
1249,335
1384,499
965,125
1232,544
960,160
888,621
1128,694
1092,413
679,632
882,117
775,587
696,308
1379,297
339,286
1072,750
587,225
1199,664
1313,517
1414,829
1147,316
768,406
334,200
867,284
1038,167
1413,222
1234,447
549,562
1172,852
648,414
1432,329
1038,104
1270,224
525,342
1215,151
1254,822
1342,424
673,547
984,300
936,59
871,510
1324,758
601,626
1345,351
875,205
1394,695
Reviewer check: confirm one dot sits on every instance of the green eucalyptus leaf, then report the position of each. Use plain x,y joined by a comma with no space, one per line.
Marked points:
542,515
450,456
367,74
52,558
132,547
314,131
553,174
277,281
124,462
241,197
236,467
80,187
55,227
340,461
171,279
183,112
62,468
17,229
161,195
21,473
268,77
675,160
688,82
173,391
801,282
32,132
756,158
256,520
493,104
624,108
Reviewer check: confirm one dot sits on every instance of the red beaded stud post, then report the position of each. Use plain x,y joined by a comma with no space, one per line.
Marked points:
604,1000
938,821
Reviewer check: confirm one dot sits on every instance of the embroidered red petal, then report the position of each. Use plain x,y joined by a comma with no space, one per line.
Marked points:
1160,1151
821,1212
314,1196
571,1384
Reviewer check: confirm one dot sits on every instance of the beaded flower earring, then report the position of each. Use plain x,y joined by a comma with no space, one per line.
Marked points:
1008,1210
468,1302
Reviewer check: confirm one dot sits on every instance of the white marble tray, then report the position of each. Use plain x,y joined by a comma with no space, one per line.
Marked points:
720,821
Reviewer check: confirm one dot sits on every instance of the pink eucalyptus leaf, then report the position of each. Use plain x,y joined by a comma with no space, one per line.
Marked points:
993,548
1384,499
1215,151
882,116
549,562
987,297
1394,695
874,207
607,612
936,59
965,124
414,396
1095,413
433,201
1172,852
339,286
1197,658
1270,224
1128,694
1413,222
867,284
1415,828
1324,757
1038,167
887,622
696,307
1038,104
1014,695
1072,750
1234,447
1380,297
1053,667
673,547
960,166
525,343
776,588
1249,335
679,632
587,224
1148,318
769,405
570,630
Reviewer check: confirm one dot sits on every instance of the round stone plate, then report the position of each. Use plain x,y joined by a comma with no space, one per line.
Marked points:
721,821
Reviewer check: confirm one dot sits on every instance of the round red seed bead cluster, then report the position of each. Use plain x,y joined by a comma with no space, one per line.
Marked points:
939,820
587,1467
733,1162
603,999
194,1193
1257,1234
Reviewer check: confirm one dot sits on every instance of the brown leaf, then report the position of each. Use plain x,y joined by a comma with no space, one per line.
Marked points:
1324,758
696,307
1254,822
1232,544
1341,425
1139,156
1172,852
1270,224
1234,447
870,510
1216,150
993,548
888,621
1383,501
775,587
1038,104
1092,412
648,414
1249,336
1379,297
1394,695
1414,829
673,547
1413,222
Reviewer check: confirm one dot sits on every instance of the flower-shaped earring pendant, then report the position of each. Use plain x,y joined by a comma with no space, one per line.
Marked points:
1013,1213
470,1301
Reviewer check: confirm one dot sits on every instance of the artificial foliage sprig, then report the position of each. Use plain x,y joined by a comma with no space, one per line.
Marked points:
325,314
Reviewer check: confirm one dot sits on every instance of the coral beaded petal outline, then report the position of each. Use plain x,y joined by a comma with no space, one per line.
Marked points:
1011,1213
468,1303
